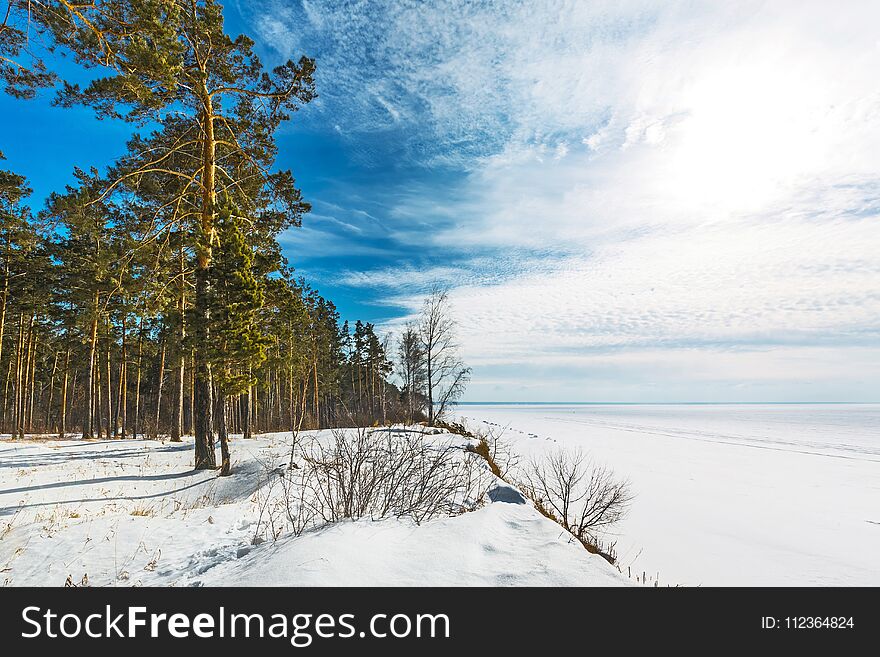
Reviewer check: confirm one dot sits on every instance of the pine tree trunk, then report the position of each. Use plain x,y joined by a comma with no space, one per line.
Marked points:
278,400
137,387
177,414
73,381
62,424
6,394
204,447
188,427
236,414
123,380
99,407
4,296
351,372
291,400
222,433
317,409
88,424
159,391
303,400
180,381
29,371
51,393
248,413
360,388
111,424
16,392
205,458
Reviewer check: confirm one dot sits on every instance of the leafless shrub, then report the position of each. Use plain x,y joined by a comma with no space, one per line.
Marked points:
272,504
384,473
366,473
296,510
580,495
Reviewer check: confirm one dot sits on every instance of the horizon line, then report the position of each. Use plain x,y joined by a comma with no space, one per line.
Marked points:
647,403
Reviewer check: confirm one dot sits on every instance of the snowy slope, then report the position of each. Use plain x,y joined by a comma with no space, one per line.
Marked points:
134,513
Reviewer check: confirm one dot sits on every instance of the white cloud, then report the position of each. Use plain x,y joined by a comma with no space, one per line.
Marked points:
757,286
401,276
704,174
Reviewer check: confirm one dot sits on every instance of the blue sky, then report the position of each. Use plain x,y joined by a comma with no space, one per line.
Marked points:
631,201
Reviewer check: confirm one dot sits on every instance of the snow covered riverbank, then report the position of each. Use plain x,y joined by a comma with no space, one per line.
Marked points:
133,512
730,495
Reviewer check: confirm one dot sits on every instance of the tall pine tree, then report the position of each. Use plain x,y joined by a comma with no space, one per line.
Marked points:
174,57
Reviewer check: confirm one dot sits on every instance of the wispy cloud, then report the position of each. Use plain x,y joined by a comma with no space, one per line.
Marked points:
679,195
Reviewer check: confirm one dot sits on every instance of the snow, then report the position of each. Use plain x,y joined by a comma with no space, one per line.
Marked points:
498,545
727,494
134,513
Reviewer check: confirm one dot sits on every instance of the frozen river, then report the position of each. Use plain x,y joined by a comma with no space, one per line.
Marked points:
739,494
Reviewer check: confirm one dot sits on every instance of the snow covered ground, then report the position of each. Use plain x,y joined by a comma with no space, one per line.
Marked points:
133,512
728,494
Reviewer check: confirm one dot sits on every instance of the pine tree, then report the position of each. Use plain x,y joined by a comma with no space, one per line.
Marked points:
18,243
174,57
86,258
22,69
411,369
135,298
236,345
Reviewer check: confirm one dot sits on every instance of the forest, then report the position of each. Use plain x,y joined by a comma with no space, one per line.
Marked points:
152,296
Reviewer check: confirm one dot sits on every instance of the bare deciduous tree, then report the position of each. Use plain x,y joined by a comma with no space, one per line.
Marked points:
445,374
582,496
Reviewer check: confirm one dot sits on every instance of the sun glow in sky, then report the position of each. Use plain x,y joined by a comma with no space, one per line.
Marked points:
635,200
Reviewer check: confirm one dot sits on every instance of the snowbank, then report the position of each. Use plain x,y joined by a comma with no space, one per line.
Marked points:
133,512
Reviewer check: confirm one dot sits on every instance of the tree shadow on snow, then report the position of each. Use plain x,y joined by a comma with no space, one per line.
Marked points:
60,455
4,511
97,480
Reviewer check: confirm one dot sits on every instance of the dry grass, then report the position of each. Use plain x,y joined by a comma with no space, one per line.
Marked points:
143,511
482,448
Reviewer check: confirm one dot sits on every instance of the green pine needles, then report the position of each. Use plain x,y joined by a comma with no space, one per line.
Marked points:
236,344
